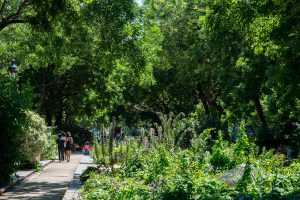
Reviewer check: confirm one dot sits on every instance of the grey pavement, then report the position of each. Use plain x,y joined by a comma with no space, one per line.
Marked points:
75,187
85,162
49,184
21,175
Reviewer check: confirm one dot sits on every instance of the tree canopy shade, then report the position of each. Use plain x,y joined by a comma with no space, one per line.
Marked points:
227,56
72,62
220,62
251,29
29,11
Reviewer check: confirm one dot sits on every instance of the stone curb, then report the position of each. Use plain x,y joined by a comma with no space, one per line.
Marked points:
22,177
74,188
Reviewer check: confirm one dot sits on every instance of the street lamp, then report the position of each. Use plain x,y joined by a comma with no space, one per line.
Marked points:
12,68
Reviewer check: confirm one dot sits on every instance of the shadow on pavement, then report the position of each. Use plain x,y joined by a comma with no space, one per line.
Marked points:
37,191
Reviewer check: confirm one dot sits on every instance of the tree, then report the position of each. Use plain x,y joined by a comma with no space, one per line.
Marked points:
29,11
72,67
12,119
251,29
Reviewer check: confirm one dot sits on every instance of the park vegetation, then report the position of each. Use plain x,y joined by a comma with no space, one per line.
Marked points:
221,64
157,166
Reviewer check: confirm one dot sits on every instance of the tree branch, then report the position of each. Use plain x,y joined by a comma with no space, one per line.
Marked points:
6,23
19,11
14,17
2,8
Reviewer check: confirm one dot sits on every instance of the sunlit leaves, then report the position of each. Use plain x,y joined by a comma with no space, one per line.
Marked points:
260,33
67,62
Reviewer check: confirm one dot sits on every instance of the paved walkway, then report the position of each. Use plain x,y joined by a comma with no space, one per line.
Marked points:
75,187
49,184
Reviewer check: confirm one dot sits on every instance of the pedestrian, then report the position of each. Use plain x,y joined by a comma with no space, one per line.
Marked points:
60,141
69,144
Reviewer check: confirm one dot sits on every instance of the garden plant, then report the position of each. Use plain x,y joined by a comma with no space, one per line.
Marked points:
154,168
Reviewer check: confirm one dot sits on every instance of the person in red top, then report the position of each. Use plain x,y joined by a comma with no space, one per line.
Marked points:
86,149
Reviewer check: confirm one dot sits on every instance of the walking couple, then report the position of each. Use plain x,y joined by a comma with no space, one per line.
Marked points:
64,146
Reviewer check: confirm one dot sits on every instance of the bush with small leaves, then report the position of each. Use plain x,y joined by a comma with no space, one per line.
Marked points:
34,137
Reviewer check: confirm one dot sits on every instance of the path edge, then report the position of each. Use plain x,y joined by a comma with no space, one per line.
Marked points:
5,188
75,186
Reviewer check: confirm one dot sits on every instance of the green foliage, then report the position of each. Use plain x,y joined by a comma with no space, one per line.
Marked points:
33,138
199,145
104,187
80,134
101,155
185,65
12,121
135,163
245,179
36,13
87,173
221,158
50,150
38,167
210,60
158,172
96,151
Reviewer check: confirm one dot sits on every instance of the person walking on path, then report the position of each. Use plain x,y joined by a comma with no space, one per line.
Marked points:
69,143
61,148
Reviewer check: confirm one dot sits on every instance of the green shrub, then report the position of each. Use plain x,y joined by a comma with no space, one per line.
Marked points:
97,187
210,189
104,187
177,184
130,189
134,166
13,104
232,171
199,145
156,164
87,173
222,157
50,150
33,137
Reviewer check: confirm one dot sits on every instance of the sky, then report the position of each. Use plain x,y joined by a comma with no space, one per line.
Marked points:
139,2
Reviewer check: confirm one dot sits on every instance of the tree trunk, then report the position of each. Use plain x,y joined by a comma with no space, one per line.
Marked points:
201,96
264,139
219,108
205,105
48,118
259,111
59,117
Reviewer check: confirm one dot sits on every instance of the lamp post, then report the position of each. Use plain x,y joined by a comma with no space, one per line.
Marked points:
12,68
